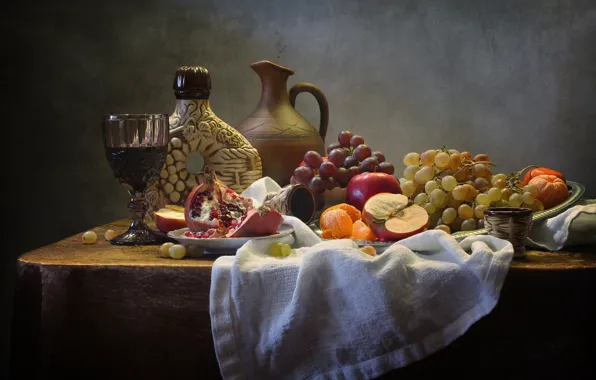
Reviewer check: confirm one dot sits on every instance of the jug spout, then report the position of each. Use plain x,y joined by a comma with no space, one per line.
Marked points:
274,79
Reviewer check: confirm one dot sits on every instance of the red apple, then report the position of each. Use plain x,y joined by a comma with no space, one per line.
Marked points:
391,218
170,218
363,186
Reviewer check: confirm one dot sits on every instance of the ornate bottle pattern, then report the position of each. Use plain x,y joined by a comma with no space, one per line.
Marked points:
194,127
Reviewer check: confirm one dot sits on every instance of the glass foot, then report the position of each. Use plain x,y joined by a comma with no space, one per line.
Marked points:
140,237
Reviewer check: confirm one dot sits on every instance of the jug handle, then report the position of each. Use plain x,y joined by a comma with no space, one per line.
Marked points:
321,99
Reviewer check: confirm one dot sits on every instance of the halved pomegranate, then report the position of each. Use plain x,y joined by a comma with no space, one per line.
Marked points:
212,205
262,221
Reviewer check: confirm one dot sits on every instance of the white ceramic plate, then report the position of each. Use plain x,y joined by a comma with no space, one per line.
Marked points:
224,243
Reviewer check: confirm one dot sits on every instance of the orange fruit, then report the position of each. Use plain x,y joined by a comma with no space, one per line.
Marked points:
369,250
352,211
552,190
327,234
361,231
339,222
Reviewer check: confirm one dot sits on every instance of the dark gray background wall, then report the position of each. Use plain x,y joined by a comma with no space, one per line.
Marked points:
514,79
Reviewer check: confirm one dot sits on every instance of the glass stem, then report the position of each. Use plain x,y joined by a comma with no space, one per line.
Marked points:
138,208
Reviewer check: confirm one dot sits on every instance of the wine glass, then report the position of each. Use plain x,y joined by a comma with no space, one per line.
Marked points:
136,146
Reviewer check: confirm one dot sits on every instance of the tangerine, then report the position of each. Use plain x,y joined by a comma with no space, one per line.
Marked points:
552,190
352,211
339,222
371,251
361,231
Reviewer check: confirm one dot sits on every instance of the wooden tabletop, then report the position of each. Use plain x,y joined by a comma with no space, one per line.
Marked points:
71,251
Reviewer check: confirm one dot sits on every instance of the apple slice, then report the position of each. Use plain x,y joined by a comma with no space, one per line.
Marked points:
170,218
391,218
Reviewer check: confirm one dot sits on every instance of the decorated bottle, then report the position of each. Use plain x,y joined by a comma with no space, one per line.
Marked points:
198,138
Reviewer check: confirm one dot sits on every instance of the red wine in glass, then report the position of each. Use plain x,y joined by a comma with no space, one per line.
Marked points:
136,146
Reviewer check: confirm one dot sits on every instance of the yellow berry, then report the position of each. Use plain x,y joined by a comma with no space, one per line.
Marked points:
89,237
177,251
164,249
110,234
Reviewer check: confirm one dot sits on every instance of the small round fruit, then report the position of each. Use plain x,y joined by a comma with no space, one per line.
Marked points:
425,174
351,161
344,138
177,251
532,189
317,184
481,170
386,167
483,199
438,198
89,237
499,183
411,158
362,151
313,159
338,156
442,160
379,156
342,177
408,188
468,225
449,215
465,212
454,161
109,235
465,156
430,186
327,169
494,194
448,182
479,211
481,157
279,250
410,172
428,158
303,174
481,184
356,140
354,170
506,193
430,208
515,200
331,183
443,227
369,165
528,198
164,249
333,146
421,199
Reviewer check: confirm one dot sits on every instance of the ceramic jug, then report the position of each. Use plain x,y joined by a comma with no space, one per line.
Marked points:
279,133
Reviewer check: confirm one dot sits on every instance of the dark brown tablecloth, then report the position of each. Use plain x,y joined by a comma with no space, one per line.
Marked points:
106,312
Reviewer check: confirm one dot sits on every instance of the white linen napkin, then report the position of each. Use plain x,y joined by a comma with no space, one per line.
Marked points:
574,226
329,311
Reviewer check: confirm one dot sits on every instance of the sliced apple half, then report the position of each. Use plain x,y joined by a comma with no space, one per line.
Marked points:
392,218
170,218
